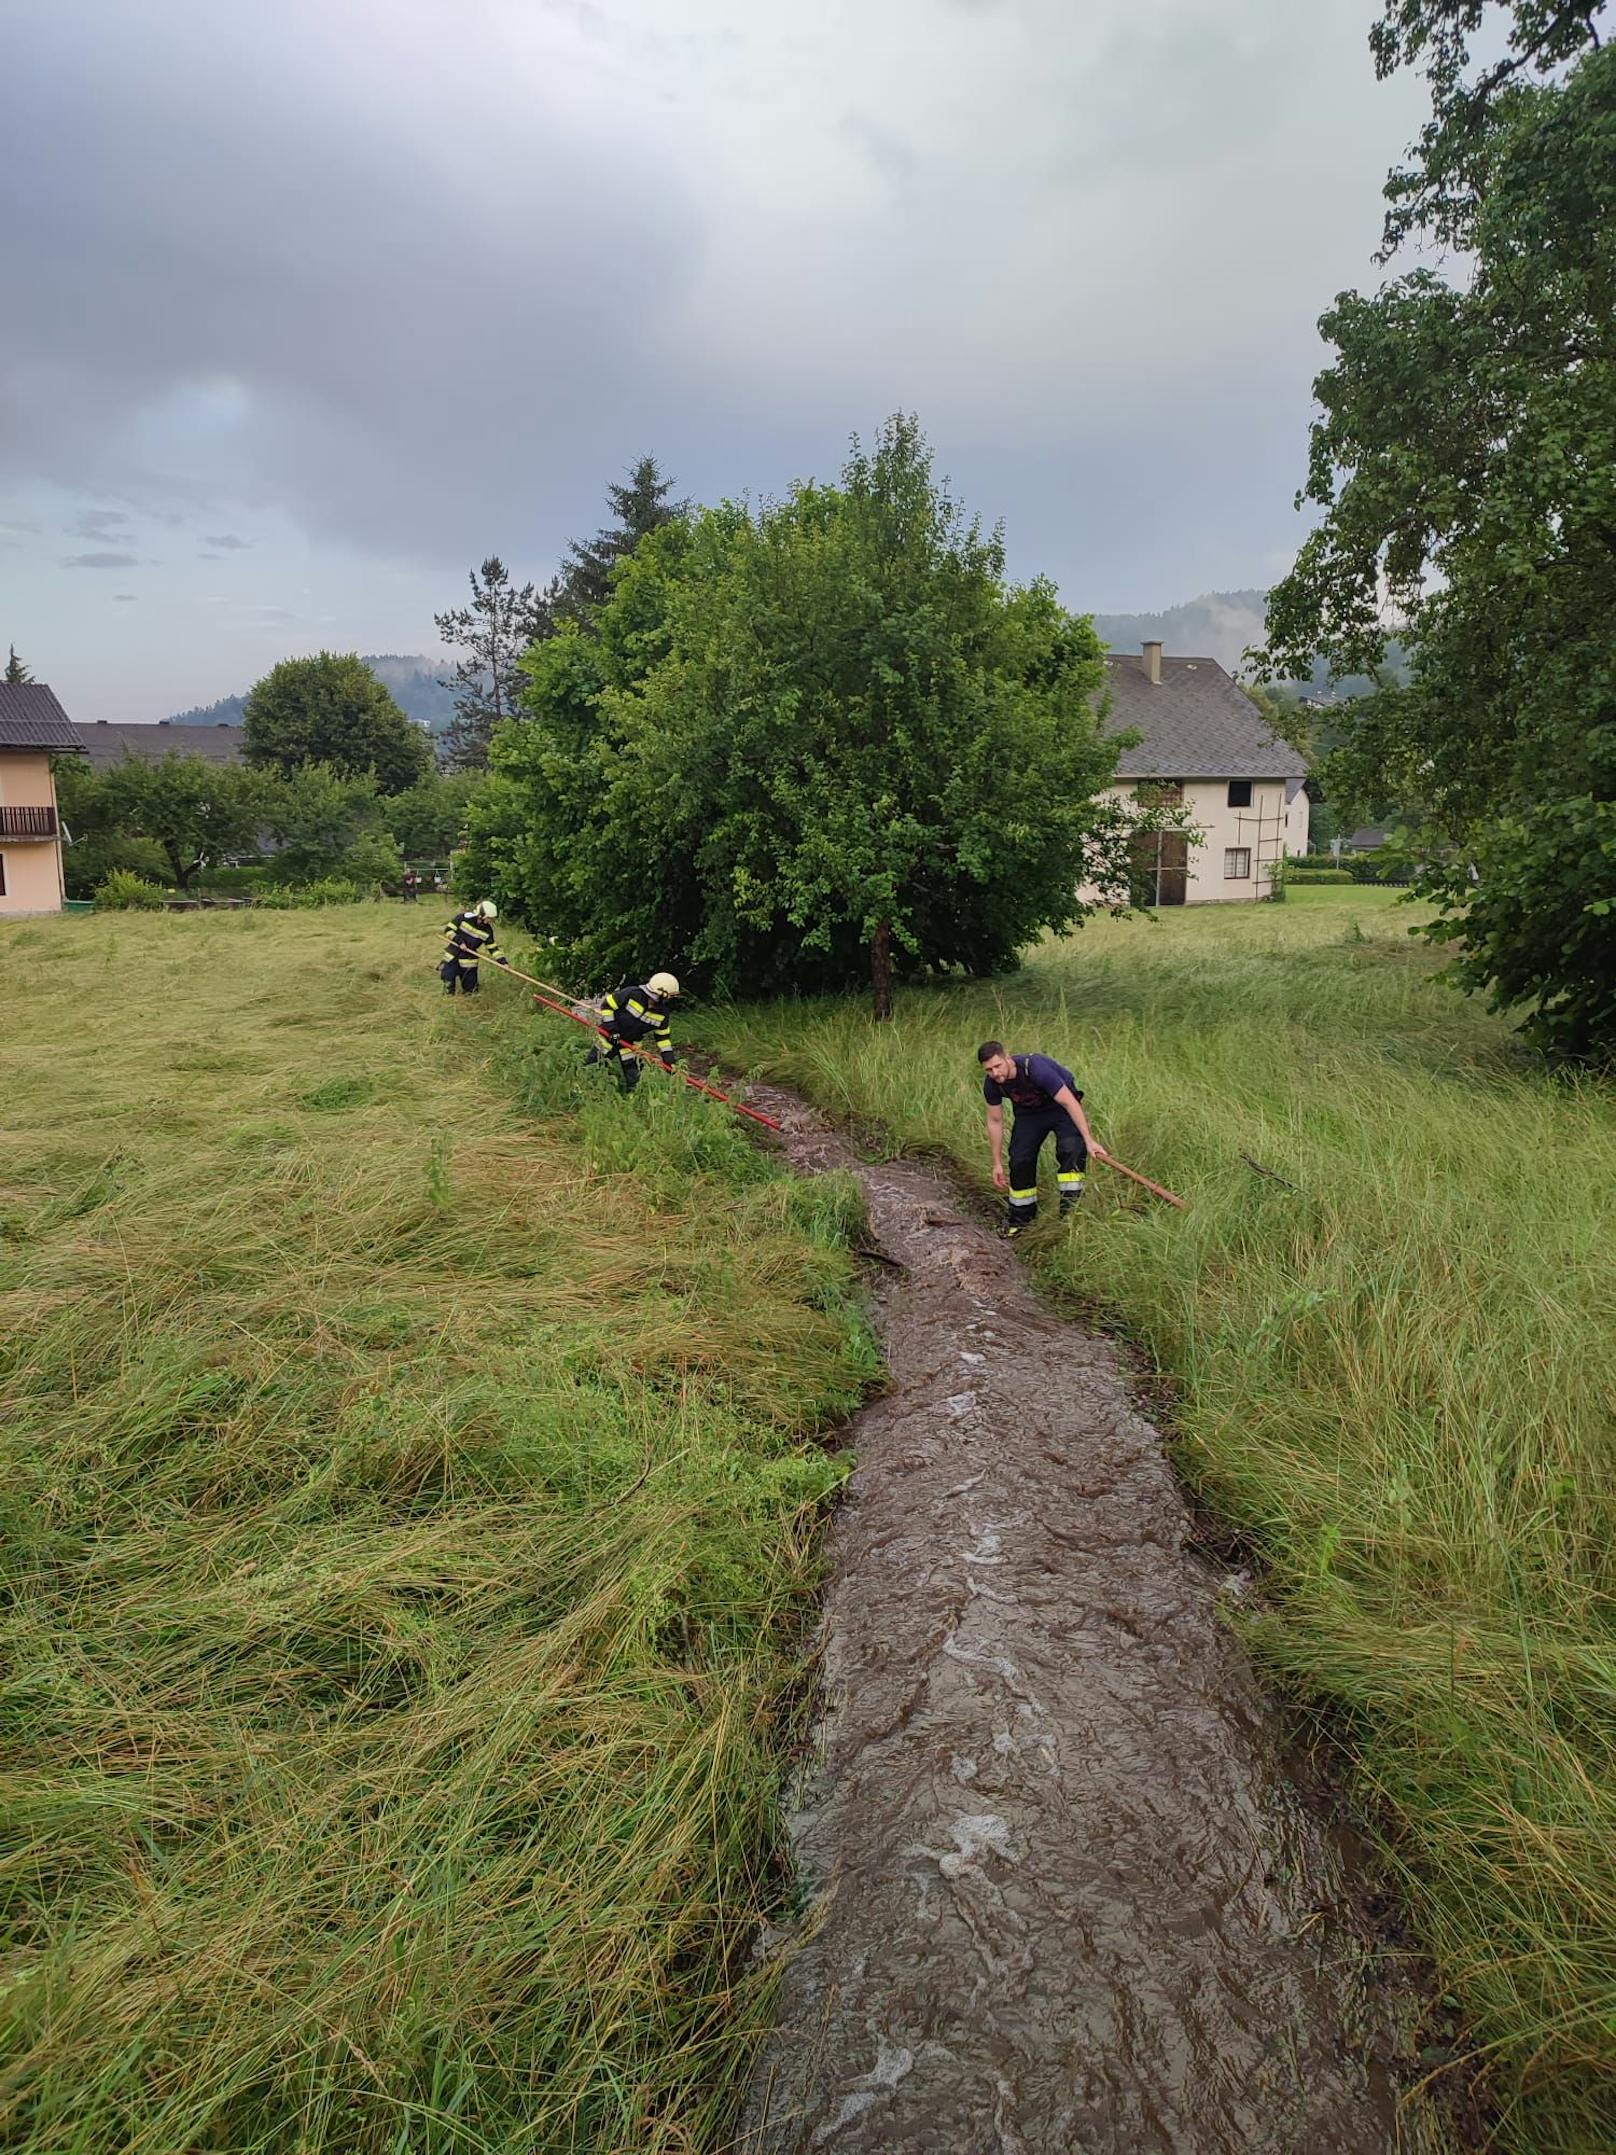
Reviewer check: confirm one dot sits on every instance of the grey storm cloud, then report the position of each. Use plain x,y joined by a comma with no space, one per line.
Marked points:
102,561
104,524
230,544
420,279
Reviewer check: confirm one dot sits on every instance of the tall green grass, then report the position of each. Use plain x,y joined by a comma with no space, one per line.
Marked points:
409,1497
1398,1377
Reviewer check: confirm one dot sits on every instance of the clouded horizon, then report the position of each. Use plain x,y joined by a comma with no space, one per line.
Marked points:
307,309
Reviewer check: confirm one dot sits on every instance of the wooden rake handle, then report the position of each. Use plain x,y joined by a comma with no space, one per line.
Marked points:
1145,1183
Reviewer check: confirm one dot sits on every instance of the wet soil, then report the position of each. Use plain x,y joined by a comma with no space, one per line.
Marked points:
1061,1894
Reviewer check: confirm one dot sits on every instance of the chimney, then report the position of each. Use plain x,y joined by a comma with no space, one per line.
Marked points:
1153,661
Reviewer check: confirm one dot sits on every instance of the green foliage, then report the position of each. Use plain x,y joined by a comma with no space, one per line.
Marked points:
318,815
814,742
1466,465
428,820
641,507
332,710
1305,872
491,633
16,673
124,892
238,882
1539,926
195,811
373,859
322,891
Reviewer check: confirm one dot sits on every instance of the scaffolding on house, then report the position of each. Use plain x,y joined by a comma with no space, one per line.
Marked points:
1264,835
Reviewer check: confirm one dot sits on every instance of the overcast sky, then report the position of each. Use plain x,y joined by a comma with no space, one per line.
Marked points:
305,308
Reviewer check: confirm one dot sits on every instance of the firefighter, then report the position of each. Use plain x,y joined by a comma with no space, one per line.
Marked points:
630,1015
468,937
1047,1102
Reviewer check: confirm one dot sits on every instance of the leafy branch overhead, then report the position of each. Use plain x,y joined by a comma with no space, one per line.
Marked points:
1465,466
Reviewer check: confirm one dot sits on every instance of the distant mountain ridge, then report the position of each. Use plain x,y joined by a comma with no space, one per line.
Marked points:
412,679
1219,624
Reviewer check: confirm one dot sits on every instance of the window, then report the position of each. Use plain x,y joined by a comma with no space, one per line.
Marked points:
1239,792
1237,863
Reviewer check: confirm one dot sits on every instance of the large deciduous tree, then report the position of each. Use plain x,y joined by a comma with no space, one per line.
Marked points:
491,634
807,745
196,811
1465,462
333,710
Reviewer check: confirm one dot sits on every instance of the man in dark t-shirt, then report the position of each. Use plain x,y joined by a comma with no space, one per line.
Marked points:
1047,1102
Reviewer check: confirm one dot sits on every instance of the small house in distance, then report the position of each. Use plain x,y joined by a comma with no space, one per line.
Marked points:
33,728
1203,742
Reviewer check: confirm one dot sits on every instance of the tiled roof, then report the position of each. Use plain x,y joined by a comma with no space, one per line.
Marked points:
107,742
30,717
1196,723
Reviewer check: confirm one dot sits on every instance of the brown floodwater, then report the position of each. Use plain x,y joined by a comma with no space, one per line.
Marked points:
1061,1894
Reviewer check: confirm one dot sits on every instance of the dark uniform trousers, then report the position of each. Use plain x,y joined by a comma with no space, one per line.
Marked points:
1027,1133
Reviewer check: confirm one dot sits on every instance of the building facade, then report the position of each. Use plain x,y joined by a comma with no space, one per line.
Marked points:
33,728
1203,744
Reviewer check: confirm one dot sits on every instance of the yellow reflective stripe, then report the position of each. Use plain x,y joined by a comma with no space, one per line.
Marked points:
1020,1197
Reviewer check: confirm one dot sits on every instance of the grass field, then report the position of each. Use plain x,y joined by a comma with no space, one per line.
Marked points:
408,1485
1398,1377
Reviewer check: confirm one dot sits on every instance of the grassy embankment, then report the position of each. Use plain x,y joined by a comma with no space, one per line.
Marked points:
1398,1378
409,1507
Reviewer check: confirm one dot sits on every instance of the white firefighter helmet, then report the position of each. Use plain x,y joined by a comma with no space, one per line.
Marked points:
663,984
487,908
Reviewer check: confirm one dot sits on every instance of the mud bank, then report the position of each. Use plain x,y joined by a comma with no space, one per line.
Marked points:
1064,1898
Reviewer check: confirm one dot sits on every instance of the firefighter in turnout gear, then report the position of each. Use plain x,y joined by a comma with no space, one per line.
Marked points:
1047,1102
468,937
630,1015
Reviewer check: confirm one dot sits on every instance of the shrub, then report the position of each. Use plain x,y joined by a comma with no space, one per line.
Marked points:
1380,864
328,890
124,891
94,855
1303,872
235,882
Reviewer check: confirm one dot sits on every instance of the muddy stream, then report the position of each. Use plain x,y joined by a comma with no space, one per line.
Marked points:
1063,1897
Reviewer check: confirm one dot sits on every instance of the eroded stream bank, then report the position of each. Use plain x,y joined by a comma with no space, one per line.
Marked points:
1067,1899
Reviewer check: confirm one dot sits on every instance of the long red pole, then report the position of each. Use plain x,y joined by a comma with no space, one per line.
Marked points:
546,1000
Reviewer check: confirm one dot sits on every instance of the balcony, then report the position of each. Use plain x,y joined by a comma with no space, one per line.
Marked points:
29,823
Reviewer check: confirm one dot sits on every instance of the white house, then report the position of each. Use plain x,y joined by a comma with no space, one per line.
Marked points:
1203,742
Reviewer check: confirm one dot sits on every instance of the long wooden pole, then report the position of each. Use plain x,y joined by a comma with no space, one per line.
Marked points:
553,998
559,1000
1145,1183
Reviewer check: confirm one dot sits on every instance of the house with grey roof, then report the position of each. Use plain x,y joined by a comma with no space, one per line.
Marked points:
107,742
33,728
1203,742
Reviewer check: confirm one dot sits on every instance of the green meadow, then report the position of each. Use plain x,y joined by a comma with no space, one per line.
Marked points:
1394,1371
409,1486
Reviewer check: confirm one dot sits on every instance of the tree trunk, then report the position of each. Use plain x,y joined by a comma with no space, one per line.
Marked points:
881,970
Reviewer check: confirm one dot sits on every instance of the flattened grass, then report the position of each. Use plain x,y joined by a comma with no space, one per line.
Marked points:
409,1492
1399,1377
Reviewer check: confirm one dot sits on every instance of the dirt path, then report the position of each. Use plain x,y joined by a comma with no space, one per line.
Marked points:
1068,1901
